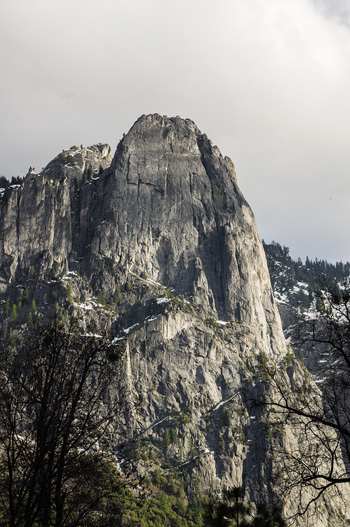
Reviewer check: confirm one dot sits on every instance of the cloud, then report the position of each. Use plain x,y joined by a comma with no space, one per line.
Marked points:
339,9
268,81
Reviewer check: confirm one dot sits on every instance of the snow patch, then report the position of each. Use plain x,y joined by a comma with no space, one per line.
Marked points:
206,451
88,307
119,463
116,339
154,317
156,424
163,300
127,330
224,402
69,275
281,298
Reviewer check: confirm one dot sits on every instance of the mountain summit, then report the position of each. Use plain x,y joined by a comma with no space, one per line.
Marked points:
168,204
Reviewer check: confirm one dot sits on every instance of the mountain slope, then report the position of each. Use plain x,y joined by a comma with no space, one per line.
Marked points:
159,246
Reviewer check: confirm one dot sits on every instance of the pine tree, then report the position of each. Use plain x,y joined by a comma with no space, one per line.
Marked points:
14,313
118,295
166,438
26,294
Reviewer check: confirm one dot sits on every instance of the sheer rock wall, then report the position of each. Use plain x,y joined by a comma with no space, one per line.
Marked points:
159,245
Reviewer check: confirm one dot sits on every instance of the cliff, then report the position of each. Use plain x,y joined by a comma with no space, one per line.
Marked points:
159,245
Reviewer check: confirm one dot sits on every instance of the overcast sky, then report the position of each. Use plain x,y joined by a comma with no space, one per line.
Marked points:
267,80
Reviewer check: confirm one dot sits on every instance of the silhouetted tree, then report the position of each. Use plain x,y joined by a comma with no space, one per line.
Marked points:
268,516
4,182
320,412
53,417
231,510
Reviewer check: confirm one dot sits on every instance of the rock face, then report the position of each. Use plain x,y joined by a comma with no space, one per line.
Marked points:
37,219
169,205
159,245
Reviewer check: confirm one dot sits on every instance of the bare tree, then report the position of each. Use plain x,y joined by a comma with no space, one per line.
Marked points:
53,417
318,410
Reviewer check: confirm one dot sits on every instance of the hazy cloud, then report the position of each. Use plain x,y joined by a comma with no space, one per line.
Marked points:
335,8
268,81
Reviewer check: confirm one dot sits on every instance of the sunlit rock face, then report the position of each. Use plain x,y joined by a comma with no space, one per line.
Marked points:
170,205
158,245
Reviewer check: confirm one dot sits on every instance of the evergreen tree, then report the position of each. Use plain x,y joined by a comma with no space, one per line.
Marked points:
14,313
117,295
33,307
268,517
166,438
25,294
231,510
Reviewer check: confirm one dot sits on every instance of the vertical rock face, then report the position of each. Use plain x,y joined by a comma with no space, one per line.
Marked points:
37,219
170,205
159,245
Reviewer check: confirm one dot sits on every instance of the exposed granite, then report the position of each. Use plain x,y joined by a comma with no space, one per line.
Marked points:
159,245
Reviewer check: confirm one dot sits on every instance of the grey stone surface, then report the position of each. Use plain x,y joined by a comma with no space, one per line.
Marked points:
159,245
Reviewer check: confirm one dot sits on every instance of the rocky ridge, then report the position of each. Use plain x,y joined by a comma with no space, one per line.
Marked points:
159,245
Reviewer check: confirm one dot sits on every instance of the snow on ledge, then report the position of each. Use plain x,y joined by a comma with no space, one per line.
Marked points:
163,300
127,330
224,402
